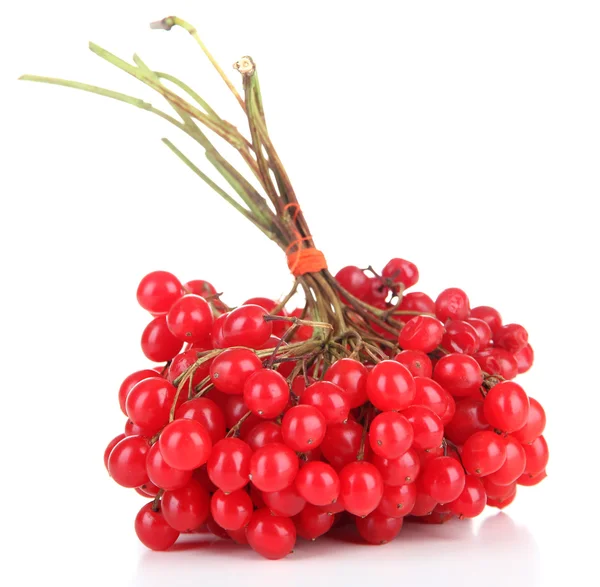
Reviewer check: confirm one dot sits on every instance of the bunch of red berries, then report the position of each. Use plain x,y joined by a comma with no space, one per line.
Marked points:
262,426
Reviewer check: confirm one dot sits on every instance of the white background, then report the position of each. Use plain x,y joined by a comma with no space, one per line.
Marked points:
463,136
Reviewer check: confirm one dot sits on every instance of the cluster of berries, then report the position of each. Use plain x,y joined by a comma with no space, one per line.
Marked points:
259,428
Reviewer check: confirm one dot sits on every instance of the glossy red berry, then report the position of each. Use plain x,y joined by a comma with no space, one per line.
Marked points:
399,501
421,333
483,453
149,403
217,338
182,362
264,433
207,412
273,467
460,337
162,474
279,326
110,446
313,522
452,304
468,419
496,361
342,443
412,303
401,471
534,427
329,399
377,528
187,508
471,502
458,374
524,358
536,456
514,465
246,326
390,435
512,337
390,386
489,315
506,406
353,280
286,502
528,480
200,287
401,272
158,291
417,362
303,428
231,511
230,369
361,487
229,464
158,344
318,483
443,479
428,430
432,395
185,444
152,529
266,393
424,503
271,536
190,319
128,384
484,332
351,377
127,461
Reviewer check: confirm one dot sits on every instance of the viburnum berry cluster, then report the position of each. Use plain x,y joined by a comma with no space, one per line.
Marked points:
367,405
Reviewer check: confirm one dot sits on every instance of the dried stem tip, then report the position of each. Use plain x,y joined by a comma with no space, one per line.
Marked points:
245,65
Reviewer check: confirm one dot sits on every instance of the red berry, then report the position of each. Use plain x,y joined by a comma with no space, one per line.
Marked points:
217,338
182,362
431,395
342,443
460,337
424,503
187,508
266,393
303,428
353,280
190,319
231,511
148,489
127,461
497,361
512,337
399,271
489,315
279,326
443,479
427,427
152,529
264,433
390,435
417,362
534,427
506,406
524,358
483,453
162,474
271,536
149,403
313,522
484,332
458,374
158,291
390,386
471,502
399,501
528,480
110,446
185,444
351,377
513,466
318,483
401,471
200,287
452,304
468,419
128,384
158,344
377,528
497,492
207,412
229,370
246,326
229,464
536,456
421,333
361,487
286,502
503,502
329,399
273,467
415,302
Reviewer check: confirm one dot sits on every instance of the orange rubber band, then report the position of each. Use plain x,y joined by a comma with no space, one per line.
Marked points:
304,260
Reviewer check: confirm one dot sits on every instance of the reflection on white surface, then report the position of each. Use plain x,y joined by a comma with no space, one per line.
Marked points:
495,551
